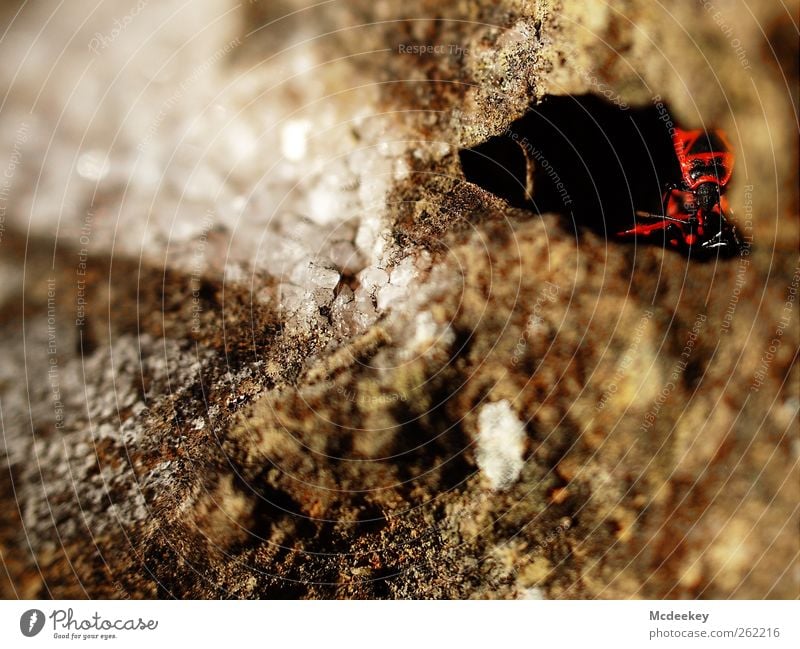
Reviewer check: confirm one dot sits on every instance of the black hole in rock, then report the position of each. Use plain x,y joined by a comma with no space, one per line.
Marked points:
499,166
589,159
371,519
270,506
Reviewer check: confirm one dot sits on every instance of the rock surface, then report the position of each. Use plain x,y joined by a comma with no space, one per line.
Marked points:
257,327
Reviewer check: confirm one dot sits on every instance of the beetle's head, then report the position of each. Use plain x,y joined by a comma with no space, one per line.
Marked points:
706,196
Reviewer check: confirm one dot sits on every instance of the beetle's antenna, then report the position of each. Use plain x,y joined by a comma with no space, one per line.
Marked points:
663,217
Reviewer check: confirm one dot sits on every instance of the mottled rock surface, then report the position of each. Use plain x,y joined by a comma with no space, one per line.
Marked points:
256,324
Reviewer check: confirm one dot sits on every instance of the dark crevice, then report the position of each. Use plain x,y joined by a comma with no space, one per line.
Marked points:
500,166
371,520
271,507
588,159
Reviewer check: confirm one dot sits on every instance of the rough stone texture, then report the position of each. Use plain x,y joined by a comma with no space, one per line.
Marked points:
296,309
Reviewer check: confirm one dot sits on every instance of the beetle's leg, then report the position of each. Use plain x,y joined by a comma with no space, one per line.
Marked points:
674,202
671,206
646,229
663,217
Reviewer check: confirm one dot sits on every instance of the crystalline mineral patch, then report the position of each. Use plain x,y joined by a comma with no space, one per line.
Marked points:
501,444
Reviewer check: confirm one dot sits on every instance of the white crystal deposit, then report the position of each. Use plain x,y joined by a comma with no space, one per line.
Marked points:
161,144
500,444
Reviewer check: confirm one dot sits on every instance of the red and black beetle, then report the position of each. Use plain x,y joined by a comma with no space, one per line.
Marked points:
693,210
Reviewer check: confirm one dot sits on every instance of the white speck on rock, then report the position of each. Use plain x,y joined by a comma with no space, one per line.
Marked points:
501,444
427,332
531,593
404,273
369,237
388,295
235,273
294,139
373,279
316,273
401,277
425,329
93,165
